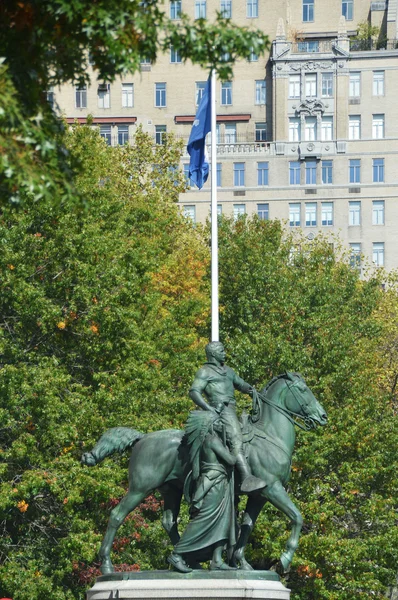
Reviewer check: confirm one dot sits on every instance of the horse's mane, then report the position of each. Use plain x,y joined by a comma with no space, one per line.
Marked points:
255,413
285,375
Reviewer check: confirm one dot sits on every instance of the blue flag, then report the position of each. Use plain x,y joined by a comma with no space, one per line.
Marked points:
199,163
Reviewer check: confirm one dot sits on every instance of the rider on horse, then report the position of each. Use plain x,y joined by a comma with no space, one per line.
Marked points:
213,389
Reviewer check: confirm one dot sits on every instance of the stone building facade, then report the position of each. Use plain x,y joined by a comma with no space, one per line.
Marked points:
307,134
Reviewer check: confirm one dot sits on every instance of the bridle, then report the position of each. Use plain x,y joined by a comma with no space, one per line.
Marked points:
290,414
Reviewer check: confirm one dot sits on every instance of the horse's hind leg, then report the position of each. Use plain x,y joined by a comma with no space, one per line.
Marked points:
130,501
253,509
172,501
279,497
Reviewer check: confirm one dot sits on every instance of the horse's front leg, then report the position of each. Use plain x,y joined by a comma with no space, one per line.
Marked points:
278,496
253,509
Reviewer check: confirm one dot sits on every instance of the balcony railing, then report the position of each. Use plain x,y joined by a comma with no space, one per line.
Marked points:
364,45
310,46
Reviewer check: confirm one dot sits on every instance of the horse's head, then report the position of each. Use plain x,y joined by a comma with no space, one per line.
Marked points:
299,400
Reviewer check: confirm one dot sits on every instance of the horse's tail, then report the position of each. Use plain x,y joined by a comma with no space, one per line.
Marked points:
117,439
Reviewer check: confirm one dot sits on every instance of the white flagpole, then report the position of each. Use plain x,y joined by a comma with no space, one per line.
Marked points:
214,220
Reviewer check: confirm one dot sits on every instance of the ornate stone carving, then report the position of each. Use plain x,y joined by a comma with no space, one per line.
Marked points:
311,107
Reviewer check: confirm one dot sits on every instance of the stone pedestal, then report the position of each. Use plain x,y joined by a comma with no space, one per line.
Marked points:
204,585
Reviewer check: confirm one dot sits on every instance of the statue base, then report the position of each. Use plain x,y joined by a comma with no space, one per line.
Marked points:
203,585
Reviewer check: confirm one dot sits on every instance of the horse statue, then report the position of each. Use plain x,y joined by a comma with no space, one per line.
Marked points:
160,460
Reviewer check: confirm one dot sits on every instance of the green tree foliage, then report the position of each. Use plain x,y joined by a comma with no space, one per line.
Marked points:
301,307
100,313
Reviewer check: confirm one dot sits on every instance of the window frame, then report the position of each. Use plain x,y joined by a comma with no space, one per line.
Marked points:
310,222
327,170
294,212
262,173
81,92
310,172
378,212
175,10
355,170
160,94
239,169
327,209
261,92
294,172
127,94
378,170
226,93
308,11
354,213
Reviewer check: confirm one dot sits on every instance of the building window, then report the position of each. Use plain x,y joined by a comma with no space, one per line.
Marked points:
263,211
122,134
190,212
175,9
261,91
378,212
239,210
347,9
310,214
200,9
310,85
354,213
294,129
378,170
355,170
262,173
175,56
219,210
253,57
310,172
230,133
355,255
327,85
127,95
378,254
308,10
294,214
327,171
218,133
106,133
186,173
327,213
378,83
294,86
261,132
378,127
294,172
160,95
144,60
226,8
251,8
81,96
50,96
200,88
310,129
354,127
219,175
226,93
239,174
355,85
160,134
327,129
104,95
